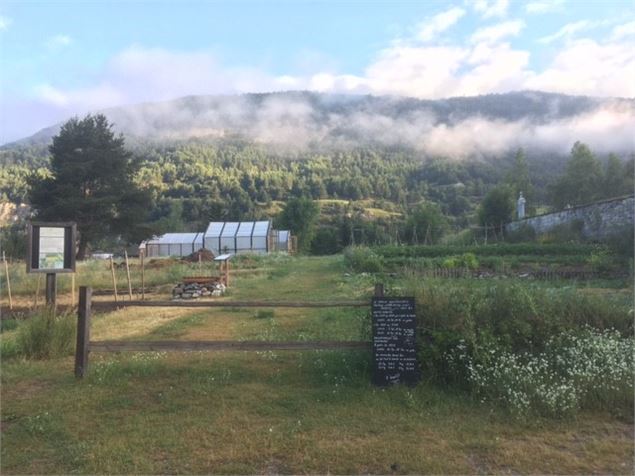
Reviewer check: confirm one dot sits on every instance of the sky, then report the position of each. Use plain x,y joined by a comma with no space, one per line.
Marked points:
64,58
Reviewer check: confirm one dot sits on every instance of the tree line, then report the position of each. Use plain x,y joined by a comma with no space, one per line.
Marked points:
119,195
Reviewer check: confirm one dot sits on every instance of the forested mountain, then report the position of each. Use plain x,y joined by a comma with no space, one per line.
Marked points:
480,126
375,163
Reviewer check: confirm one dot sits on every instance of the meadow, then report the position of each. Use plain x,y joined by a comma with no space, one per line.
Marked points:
316,411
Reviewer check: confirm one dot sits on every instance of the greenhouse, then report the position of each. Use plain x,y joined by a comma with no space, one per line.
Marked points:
173,244
239,237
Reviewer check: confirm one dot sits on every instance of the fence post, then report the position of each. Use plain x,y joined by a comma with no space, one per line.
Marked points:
83,332
379,290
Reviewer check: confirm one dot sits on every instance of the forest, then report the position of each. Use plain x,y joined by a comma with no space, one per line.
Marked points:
366,195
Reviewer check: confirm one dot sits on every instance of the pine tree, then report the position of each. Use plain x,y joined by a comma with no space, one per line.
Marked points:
92,183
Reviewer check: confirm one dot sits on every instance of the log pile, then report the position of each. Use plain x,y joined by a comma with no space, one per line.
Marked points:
197,290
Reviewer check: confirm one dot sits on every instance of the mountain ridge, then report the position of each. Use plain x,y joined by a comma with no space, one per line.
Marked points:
303,118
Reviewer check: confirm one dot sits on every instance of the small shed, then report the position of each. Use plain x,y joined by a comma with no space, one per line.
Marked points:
173,244
238,237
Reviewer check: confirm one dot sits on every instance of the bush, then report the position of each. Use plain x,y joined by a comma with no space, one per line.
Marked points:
46,335
363,260
587,369
516,317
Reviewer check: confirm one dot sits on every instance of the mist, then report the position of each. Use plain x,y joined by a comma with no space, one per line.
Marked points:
301,121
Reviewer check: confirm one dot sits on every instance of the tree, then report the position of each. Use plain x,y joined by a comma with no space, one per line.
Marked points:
92,183
519,179
616,178
425,224
497,207
582,180
300,215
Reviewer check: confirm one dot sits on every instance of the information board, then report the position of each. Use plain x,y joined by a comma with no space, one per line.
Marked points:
394,347
51,248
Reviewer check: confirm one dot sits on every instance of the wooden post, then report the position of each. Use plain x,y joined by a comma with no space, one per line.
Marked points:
200,262
82,347
37,290
114,279
379,290
227,273
51,289
143,275
125,253
72,289
6,272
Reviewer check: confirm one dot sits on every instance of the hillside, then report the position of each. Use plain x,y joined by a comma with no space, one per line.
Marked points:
486,125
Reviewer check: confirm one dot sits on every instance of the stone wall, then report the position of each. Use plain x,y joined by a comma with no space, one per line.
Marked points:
598,220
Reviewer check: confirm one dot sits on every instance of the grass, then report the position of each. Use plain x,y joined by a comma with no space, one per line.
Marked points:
265,412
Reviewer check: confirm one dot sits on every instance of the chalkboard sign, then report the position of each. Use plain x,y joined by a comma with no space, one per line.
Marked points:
394,349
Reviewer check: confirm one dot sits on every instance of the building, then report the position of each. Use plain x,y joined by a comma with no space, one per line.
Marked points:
222,238
172,244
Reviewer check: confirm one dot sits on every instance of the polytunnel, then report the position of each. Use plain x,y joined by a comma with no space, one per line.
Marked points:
173,244
238,237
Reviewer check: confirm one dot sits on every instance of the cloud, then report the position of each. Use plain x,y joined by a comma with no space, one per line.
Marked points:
58,41
588,67
490,8
4,22
544,6
567,31
439,23
498,32
622,31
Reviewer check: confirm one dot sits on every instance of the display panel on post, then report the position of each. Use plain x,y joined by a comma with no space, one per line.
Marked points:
51,248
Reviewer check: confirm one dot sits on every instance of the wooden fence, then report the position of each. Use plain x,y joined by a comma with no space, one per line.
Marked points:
84,345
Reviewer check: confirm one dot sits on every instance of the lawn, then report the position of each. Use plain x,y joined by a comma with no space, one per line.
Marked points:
266,412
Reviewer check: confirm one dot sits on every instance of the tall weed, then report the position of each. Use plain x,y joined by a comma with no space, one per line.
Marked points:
46,335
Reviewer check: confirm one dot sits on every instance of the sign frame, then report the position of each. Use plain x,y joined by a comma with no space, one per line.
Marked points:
32,251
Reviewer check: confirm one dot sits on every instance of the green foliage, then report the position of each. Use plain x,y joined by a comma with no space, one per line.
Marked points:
514,318
588,369
498,249
363,260
92,183
425,224
13,241
300,215
582,180
46,335
466,260
497,207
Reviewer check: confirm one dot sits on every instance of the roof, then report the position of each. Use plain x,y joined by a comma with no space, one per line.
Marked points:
224,257
232,229
175,239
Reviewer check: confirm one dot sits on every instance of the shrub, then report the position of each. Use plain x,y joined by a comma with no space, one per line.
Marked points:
46,335
516,317
584,369
362,259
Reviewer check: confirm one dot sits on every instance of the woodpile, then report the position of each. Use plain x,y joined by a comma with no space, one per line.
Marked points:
197,290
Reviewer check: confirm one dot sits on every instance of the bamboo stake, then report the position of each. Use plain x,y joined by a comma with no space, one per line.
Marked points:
200,262
72,289
114,280
6,270
143,276
125,253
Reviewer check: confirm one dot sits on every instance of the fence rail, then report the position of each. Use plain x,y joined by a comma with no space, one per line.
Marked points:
85,345
224,345
192,303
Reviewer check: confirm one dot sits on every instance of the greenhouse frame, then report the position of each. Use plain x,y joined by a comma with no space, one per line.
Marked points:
173,244
222,237
239,237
